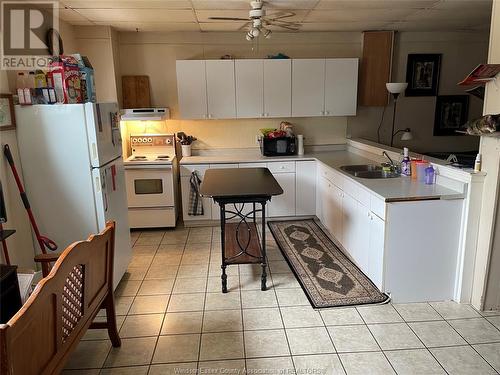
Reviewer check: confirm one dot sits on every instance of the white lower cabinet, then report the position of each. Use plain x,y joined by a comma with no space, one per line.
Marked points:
284,204
331,204
215,206
185,191
305,188
376,250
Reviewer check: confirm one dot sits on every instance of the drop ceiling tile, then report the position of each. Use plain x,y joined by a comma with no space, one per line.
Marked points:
71,16
203,15
221,4
433,25
128,4
447,15
138,15
370,15
465,5
375,4
152,26
222,26
342,26
291,4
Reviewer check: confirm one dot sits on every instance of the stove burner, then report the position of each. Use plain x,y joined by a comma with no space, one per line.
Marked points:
162,157
139,158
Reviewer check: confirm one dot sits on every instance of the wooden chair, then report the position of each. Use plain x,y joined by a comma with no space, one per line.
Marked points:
42,335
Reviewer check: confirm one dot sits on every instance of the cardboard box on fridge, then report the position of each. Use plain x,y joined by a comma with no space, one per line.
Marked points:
64,77
86,78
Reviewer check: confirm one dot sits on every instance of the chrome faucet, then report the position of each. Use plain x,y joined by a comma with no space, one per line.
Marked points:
393,165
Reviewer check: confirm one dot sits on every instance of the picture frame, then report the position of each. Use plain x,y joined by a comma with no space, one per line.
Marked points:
7,114
422,74
451,114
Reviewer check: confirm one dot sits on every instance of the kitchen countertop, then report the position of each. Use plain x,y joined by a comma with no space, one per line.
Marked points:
390,190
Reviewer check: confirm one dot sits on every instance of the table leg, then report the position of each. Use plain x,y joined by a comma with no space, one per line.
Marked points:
264,256
223,245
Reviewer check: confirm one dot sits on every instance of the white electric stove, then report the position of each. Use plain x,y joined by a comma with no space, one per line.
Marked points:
152,181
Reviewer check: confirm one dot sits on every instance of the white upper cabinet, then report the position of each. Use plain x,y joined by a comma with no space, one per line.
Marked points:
221,96
249,88
192,89
277,88
341,87
308,87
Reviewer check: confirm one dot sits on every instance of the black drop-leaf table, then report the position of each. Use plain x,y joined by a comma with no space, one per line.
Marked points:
234,190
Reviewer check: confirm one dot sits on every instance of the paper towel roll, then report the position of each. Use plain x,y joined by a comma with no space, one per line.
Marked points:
300,146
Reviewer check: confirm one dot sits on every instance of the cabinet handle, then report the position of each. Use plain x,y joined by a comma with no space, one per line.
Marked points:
267,114
322,112
327,112
209,115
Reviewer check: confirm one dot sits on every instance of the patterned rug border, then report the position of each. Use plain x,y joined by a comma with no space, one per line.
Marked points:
385,301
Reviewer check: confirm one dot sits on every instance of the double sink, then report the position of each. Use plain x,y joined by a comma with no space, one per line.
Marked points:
369,171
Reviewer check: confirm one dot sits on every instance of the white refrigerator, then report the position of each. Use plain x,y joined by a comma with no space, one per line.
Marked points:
72,165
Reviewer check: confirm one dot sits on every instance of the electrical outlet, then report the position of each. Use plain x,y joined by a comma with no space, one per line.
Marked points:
257,137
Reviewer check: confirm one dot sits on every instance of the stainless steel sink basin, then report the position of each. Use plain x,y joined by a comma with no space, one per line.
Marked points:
368,171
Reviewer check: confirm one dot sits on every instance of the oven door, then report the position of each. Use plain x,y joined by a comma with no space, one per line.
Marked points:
149,187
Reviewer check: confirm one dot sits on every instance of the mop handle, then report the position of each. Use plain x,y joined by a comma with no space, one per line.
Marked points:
24,197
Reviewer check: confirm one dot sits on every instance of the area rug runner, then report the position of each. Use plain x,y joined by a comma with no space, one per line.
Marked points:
327,276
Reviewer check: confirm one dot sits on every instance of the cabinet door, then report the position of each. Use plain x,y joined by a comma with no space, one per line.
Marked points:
362,249
376,250
308,87
336,218
327,204
284,204
277,88
341,87
192,89
249,88
215,206
305,202
207,202
221,94
349,217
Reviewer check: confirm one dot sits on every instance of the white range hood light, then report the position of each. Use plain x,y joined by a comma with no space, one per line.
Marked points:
148,114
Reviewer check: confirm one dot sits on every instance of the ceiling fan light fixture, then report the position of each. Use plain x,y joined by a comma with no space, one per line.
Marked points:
267,33
255,32
249,36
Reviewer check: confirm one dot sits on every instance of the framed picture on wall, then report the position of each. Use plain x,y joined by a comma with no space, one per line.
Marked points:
422,74
7,117
451,114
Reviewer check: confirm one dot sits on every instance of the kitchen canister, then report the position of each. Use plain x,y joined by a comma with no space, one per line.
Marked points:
186,150
421,166
300,144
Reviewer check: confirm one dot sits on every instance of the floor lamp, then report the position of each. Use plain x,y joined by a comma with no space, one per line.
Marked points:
395,88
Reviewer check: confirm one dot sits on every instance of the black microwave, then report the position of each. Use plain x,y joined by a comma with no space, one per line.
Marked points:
278,146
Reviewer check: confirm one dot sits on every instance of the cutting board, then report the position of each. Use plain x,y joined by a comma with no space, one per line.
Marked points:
135,91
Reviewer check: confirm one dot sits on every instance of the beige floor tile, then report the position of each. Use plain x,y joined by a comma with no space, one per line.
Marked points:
314,340
173,369
268,343
193,285
154,287
133,352
379,314
81,372
491,353
453,310
225,345
138,261
162,272
222,321
495,320
122,306
339,317
462,360
89,354
476,331
186,302
417,312
355,338
276,365
434,334
301,316
253,282
257,319
250,269
195,259
182,323
102,334
258,298
232,366
191,271
166,260
414,362
214,284
490,313
395,336
279,266
135,273
144,249
134,370
373,363
171,249
177,348
222,301
178,239
319,364
149,304
141,325
148,241
127,288
292,297
215,270
285,281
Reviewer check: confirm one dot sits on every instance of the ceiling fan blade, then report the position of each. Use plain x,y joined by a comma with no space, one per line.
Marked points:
284,26
243,27
280,15
227,19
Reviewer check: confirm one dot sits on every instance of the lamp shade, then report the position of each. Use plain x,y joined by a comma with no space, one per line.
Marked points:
396,87
407,135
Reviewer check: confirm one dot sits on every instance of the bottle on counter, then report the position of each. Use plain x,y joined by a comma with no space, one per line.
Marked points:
20,85
478,163
430,175
406,163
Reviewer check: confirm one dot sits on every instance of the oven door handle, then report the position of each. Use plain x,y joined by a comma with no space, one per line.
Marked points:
148,167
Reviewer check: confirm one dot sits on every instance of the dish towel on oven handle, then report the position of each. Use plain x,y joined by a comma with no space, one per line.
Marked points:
195,200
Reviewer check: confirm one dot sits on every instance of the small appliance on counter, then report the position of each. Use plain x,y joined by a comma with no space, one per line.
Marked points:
152,178
278,142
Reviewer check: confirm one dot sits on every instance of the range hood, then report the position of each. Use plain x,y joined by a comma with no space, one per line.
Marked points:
148,114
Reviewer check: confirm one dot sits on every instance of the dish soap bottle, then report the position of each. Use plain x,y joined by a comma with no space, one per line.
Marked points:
477,163
406,163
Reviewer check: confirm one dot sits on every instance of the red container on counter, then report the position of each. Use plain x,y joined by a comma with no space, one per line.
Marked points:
64,77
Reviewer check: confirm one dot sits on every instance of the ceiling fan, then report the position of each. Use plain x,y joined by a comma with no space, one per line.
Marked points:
259,21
